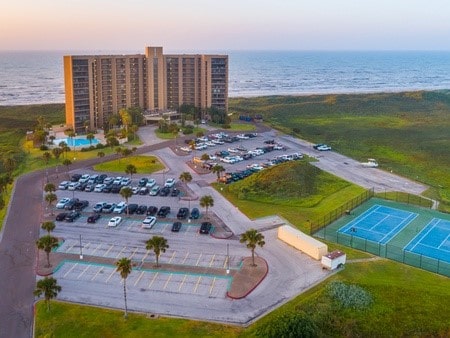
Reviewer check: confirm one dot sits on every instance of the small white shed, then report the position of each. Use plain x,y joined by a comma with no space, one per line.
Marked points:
309,245
333,260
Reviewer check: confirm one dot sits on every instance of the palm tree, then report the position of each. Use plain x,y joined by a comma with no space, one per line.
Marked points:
126,193
131,169
50,198
112,141
90,137
48,226
218,169
206,202
185,177
158,244
252,238
57,152
47,243
134,128
124,267
67,163
101,154
49,287
46,156
49,187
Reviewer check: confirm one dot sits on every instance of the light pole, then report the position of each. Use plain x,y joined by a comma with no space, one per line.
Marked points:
81,249
228,259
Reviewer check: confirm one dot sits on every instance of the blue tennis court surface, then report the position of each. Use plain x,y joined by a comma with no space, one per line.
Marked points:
378,224
433,241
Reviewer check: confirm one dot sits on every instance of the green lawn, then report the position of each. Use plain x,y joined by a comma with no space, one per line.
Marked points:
144,164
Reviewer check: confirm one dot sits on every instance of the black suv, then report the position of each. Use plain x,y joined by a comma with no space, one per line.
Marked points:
205,228
61,216
183,213
72,216
75,177
132,208
142,209
152,210
71,204
164,211
195,214
80,205
164,191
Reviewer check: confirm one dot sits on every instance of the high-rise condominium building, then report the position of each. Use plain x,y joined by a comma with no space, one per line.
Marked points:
98,86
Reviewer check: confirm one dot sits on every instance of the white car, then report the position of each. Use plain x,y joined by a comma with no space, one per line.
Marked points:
186,149
149,222
120,208
371,163
210,144
170,182
73,186
115,221
84,178
118,180
155,190
135,190
63,185
62,203
99,187
125,181
150,183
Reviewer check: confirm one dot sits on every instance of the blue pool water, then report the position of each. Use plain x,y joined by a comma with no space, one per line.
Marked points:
76,142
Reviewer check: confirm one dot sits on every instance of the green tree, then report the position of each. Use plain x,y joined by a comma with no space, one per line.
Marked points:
46,156
67,163
90,137
124,267
126,152
49,187
125,117
204,157
158,244
57,152
289,324
134,128
9,164
112,141
50,198
206,202
48,226
101,154
47,243
126,193
49,288
218,169
130,170
185,177
252,238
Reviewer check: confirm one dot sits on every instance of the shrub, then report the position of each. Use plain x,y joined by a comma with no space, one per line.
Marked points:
226,126
349,296
43,147
289,324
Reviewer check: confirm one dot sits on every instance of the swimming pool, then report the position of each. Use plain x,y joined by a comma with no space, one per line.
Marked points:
76,141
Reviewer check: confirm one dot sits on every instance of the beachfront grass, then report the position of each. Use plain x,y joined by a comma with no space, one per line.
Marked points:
406,132
143,164
407,302
71,320
171,136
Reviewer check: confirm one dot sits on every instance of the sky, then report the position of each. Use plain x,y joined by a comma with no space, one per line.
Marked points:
180,25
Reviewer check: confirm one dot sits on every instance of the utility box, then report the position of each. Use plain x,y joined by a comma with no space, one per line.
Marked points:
333,260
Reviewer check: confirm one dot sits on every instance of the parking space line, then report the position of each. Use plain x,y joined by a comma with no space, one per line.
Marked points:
225,262
86,246
145,256
182,282
70,270
197,284
107,252
134,252
198,260
98,246
168,280
112,273
96,274
184,260
71,247
173,255
82,272
123,249
212,285
153,280
212,260
139,278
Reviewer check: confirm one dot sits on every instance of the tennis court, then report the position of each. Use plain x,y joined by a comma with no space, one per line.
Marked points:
433,241
379,223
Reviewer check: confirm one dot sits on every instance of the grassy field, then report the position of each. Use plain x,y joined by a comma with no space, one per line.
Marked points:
407,302
406,132
143,164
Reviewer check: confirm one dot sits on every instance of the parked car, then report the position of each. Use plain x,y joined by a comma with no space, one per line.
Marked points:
149,222
73,186
324,147
72,216
80,205
142,182
183,213
82,186
164,191
164,211
142,209
175,192
98,207
195,213
132,208
75,177
101,178
120,208
69,205
155,190
62,203
84,178
63,185
93,218
115,188
170,182
125,181
115,221
176,226
118,180
143,191
99,187
205,228
135,190
90,187
152,210
150,183
109,208
61,216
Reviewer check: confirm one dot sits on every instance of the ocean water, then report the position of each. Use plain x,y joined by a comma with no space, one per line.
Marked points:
37,77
